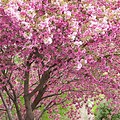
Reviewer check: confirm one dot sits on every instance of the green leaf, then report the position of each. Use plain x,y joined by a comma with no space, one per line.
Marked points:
22,100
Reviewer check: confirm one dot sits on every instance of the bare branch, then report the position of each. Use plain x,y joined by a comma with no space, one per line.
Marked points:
38,97
6,107
2,109
48,106
45,109
43,80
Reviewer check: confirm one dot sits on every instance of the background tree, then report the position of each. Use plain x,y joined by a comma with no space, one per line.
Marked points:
52,52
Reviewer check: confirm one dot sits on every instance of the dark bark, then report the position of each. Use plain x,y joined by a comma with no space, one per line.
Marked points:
40,88
29,113
18,110
43,80
38,98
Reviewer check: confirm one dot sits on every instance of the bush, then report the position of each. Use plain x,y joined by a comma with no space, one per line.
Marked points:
103,112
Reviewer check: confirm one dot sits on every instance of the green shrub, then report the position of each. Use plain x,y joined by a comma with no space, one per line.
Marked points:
104,112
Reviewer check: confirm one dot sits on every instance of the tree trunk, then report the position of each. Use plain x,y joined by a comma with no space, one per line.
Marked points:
29,113
18,111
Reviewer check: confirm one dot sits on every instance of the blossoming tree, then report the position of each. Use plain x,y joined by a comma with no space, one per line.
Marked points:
57,51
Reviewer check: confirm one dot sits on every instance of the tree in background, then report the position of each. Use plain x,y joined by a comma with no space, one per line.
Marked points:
57,51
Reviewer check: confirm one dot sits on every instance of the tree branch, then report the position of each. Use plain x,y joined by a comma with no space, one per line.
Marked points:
44,109
48,106
43,80
56,94
14,97
6,107
38,97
